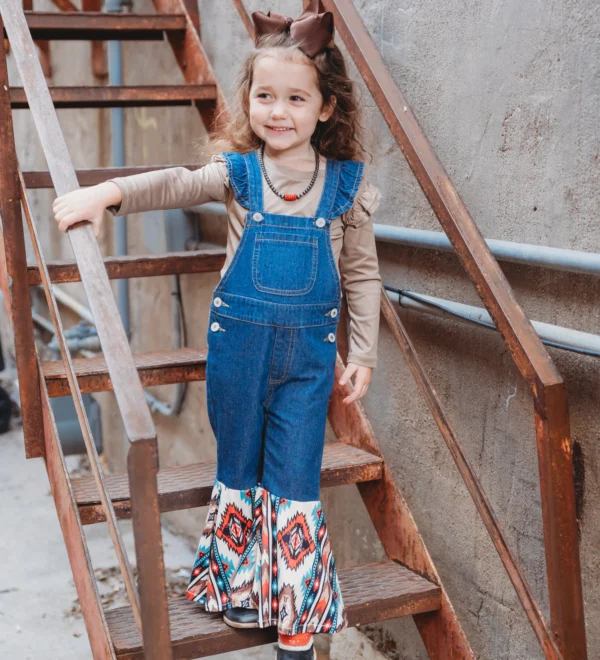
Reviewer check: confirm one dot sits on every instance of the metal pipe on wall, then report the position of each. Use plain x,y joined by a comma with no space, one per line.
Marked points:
573,261
117,124
566,337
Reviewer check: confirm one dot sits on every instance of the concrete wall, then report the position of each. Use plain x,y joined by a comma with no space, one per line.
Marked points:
507,94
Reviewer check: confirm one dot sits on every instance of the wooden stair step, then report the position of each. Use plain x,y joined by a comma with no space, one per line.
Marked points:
42,179
155,368
372,592
206,260
116,96
98,26
189,486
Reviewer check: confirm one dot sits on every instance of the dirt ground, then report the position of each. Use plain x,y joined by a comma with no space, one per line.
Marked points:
40,617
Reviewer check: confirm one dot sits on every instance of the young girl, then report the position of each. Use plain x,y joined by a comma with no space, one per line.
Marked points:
299,225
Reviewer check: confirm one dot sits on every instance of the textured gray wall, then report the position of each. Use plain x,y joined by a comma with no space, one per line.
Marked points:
507,94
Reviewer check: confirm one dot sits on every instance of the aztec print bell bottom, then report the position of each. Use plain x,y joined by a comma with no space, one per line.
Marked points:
267,553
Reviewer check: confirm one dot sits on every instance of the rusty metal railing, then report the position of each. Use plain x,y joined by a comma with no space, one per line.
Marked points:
528,352
90,446
139,426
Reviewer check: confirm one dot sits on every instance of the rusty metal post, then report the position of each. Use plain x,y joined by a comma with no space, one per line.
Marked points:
16,263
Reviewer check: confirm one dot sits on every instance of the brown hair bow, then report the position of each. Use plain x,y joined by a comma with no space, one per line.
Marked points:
311,31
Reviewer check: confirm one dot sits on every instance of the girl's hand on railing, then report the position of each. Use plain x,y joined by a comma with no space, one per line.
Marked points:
86,204
362,379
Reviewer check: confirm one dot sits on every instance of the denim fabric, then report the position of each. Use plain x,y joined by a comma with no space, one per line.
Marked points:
271,338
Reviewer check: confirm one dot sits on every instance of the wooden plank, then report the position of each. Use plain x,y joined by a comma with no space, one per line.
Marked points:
189,486
92,177
121,96
15,260
84,26
373,592
181,365
207,260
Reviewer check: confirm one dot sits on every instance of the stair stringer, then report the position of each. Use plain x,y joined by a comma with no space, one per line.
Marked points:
194,63
75,541
440,630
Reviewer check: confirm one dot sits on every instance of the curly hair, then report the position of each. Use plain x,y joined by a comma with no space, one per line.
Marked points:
339,138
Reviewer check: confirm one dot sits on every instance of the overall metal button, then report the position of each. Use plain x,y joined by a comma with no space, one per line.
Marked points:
331,337
333,312
214,326
257,216
320,222
217,302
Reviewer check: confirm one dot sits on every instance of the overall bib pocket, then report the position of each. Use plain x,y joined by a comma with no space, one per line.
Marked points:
284,264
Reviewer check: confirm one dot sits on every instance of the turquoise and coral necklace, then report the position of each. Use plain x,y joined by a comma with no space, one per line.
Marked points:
288,197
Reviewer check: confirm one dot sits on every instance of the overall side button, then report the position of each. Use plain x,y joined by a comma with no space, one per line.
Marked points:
217,302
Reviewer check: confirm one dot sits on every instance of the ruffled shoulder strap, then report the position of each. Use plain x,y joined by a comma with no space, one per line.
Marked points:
365,204
239,176
349,175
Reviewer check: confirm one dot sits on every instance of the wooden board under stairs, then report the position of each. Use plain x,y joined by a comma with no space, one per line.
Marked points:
188,486
373,592
157,368
103,26
117,96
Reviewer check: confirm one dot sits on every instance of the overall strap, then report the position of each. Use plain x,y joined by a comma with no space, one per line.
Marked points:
245,179
341,185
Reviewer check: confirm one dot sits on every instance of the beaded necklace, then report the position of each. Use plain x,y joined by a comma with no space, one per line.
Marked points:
288,197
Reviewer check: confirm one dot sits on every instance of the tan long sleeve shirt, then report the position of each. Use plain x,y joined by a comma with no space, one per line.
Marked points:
352,238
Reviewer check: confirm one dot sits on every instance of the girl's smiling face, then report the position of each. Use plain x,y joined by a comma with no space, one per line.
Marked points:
285,105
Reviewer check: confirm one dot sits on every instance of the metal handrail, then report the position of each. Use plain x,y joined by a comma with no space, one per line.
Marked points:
137,420
90,445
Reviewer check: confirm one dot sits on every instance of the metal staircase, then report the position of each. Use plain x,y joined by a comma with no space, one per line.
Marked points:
154,627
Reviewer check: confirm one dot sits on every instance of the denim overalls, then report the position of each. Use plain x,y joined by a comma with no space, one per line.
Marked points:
269,374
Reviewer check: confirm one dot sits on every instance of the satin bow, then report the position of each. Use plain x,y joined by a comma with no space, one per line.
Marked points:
311,31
